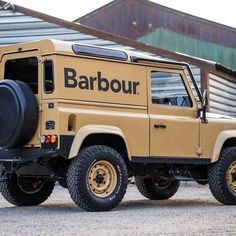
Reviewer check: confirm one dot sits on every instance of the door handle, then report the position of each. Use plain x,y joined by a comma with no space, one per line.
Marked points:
160,126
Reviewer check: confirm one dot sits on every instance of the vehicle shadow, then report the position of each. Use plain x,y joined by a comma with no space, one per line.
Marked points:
143,204
170,203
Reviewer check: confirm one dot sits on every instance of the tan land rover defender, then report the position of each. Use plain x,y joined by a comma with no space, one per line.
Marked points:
89,117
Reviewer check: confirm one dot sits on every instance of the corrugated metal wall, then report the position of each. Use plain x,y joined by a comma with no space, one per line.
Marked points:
222,96
16,27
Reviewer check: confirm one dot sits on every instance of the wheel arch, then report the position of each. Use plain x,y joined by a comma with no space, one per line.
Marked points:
99,135
225,139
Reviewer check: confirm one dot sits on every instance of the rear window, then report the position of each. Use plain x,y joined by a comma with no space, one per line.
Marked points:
23,69
48,76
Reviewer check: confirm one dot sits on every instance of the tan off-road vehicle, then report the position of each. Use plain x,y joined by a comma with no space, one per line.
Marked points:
89,117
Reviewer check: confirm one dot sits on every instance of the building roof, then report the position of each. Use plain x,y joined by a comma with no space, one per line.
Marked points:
166,28
158,16
19,24
113,3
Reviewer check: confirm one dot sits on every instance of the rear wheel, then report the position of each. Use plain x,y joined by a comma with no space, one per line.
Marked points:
222,177
22,191
157,188
202,182
97,178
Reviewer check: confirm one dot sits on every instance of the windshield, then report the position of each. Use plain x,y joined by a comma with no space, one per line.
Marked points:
195,84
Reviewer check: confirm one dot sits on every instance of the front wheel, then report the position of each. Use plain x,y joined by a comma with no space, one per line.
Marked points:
157,188
22,191
97,178
222,177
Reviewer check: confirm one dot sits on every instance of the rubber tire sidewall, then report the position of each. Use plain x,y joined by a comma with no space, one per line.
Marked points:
217,178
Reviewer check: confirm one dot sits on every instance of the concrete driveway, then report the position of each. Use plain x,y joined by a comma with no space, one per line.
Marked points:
192,211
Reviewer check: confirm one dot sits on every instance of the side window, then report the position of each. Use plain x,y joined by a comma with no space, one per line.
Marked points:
168,89
23,69
48,77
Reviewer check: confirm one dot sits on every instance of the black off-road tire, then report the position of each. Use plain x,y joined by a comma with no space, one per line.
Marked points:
78,178
19,114
12,192
148,188
202,182
217,177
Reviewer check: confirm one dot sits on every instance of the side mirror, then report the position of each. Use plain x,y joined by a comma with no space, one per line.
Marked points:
202,110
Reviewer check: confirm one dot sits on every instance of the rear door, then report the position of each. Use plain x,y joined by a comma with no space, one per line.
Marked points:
25,66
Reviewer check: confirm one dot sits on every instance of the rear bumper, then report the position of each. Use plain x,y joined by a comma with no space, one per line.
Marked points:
32,153
26,154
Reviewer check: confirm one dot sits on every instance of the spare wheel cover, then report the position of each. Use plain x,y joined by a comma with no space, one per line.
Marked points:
18,114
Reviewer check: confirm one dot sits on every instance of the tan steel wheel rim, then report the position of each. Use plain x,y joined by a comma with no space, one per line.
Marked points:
231,176
102,178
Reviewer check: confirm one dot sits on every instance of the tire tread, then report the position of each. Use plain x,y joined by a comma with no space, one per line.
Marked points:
217,178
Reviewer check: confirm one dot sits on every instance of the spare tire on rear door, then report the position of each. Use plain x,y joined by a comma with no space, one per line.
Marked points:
18,114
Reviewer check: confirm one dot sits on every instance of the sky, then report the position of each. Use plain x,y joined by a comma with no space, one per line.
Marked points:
219,11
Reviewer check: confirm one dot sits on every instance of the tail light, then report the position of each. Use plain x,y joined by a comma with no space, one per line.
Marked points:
53,138
48,139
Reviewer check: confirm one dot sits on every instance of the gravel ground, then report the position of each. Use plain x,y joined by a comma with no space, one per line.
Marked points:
192,211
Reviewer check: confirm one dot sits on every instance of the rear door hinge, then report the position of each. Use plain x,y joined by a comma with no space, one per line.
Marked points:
41,60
